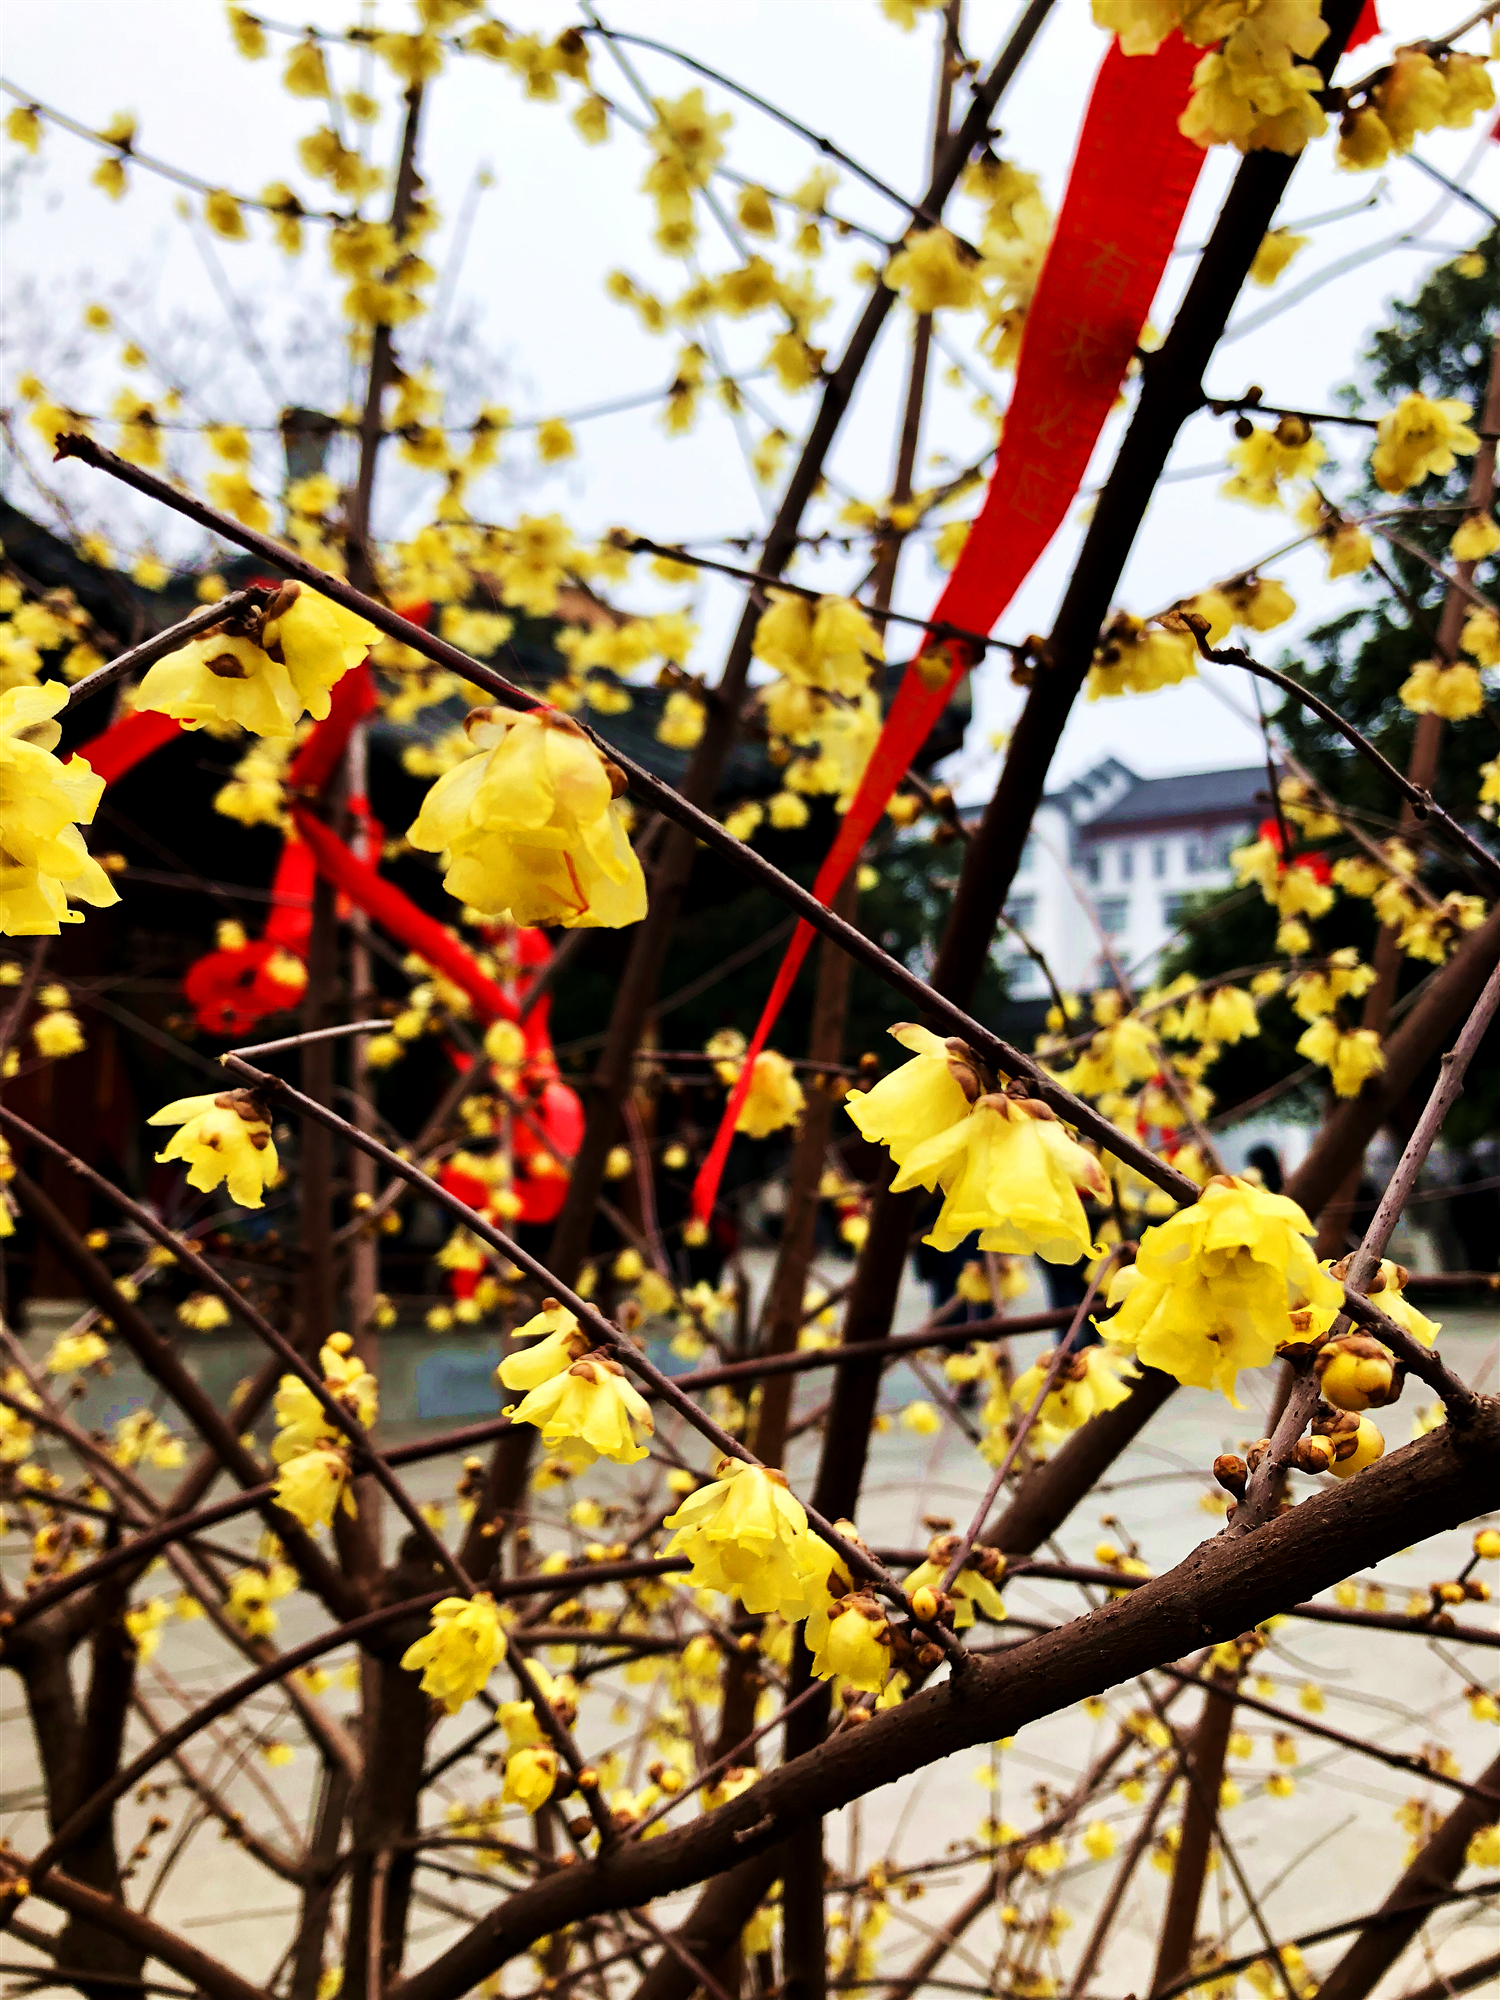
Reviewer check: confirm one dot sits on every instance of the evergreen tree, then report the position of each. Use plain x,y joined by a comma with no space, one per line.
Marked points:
1439,344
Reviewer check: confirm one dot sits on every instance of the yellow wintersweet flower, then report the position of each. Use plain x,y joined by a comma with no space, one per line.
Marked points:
303,1422
224,215
1475,537
142,1438
588,1410
57,1034
255,795
972,1586
413,58
234,492
1315,993
1210,1289
746,1535
23,126
919,1100
460,1651
311,1484
1369,1446
1267,458
1299,893
223,1138
1010,1171
682,721
1133,657
43,861
251,1595
16,1434
1250,93
530,1775
531,825
775,1097
72,1351
1454,692
1277,249
850,1642
1226,1015
932,271
247,34
203,1311
1087,1383
1386,1290
1419,437
305,74
921,1417
830,645
1356,1373
1481,636
554,441
143,1622
1350,1055
305,646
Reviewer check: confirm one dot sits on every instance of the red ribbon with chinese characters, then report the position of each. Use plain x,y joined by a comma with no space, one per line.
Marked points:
1132,176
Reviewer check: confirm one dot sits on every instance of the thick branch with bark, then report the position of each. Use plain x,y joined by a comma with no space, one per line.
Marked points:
1220,1590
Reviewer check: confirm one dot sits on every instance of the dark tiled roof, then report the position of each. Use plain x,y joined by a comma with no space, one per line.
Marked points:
1192,795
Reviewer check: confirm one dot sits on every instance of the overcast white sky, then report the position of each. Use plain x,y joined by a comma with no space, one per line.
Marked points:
560,214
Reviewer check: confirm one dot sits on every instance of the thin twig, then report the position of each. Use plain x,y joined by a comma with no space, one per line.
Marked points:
206,619
1418,797
599,1328
999,1053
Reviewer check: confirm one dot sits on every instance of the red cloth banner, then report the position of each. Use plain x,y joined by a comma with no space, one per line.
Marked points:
1366,28
1132,176
122,746
289,926
401,917
352,699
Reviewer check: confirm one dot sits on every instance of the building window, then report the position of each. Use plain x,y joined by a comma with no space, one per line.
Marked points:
1020,911
1127,864
1173,909
1114,914
1208,853
1159,860
1089,867
1028,856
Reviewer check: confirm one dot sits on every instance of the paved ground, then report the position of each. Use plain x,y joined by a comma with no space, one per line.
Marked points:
1325,1853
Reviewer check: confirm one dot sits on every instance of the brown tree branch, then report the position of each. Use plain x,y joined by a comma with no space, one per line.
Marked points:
1402,1914
144,1938
1449,996
1220,1590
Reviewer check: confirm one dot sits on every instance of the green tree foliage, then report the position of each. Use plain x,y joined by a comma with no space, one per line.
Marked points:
1438,343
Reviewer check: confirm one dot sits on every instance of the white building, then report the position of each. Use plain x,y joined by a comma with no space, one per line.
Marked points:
1112,858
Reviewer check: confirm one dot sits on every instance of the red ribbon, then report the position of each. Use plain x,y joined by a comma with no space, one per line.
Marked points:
402,918
121,747
1366,28
290,923
352,699
1133,173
